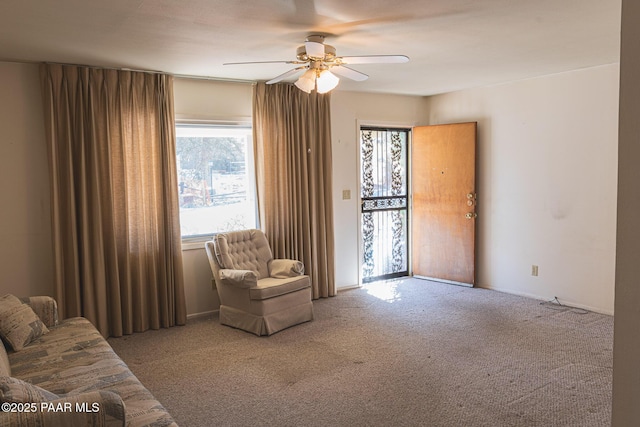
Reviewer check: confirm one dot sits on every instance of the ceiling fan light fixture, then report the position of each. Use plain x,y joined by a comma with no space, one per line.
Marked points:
307,81
317,58
326,81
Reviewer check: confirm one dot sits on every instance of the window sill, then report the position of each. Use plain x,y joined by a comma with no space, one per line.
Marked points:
195,244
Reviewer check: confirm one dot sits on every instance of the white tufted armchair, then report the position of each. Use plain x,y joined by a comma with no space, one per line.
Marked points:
257,293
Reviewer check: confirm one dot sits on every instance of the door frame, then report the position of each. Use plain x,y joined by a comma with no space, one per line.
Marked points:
387,125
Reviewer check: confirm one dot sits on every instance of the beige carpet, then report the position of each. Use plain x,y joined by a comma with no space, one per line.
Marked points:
399,353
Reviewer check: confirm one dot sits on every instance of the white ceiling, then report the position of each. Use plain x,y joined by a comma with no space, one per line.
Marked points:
452,44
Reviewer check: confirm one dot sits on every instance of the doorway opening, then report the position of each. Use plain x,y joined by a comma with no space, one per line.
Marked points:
384,203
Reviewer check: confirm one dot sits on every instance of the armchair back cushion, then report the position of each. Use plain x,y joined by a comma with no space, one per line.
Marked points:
244,250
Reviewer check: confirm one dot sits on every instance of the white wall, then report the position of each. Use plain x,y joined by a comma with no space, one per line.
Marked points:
212,100
26,260
349,110
547,166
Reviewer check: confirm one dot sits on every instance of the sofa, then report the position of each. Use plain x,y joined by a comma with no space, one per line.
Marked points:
64,373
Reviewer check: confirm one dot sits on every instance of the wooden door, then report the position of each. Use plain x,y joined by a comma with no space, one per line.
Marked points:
444,202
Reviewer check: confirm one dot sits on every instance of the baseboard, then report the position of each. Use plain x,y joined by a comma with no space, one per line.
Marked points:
566,303
203,314
347,287
450,282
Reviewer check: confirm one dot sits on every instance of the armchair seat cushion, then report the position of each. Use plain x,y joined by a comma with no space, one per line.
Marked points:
270,287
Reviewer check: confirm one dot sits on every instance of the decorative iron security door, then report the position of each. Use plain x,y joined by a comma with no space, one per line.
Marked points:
383,165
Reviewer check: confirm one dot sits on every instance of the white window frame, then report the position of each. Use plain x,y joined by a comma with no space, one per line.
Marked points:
195,241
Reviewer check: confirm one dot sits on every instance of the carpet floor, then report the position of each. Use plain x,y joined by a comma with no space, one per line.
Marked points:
406,352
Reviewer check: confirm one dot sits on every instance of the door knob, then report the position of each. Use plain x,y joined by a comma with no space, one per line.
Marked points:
471,198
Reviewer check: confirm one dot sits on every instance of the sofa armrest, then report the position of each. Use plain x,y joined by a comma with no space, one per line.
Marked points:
283,268
45,307
97,408
238,278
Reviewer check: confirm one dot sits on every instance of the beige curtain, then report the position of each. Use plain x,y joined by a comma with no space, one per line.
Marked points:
292,132
116,235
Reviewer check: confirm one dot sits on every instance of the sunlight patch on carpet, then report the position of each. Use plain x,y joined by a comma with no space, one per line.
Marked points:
387,291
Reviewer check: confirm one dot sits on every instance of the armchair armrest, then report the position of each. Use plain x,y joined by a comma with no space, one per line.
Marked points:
283,268
238,278
45,307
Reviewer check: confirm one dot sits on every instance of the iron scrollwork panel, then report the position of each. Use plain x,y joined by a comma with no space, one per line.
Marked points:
384,202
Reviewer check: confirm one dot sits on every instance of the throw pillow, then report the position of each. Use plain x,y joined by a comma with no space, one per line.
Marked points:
14,390
5,366
283,268
19,325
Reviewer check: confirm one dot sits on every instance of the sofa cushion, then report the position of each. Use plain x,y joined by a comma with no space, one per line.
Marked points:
19,325
14,390
5,366
271,287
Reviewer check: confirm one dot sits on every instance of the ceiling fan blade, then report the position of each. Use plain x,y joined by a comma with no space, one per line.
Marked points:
306,14
349,73
314,49
374,59
264,62
283,76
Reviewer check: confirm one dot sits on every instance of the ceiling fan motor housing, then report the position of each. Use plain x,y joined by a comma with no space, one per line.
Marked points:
329,54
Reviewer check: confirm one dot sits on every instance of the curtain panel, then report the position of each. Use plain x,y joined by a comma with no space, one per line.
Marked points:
292,140
115,215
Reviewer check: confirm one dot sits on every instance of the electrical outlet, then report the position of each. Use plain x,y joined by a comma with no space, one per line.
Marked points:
534,270
346,194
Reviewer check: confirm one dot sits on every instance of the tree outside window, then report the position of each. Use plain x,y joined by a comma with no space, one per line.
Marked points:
216,179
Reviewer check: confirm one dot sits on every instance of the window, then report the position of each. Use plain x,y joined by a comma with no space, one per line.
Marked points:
216,180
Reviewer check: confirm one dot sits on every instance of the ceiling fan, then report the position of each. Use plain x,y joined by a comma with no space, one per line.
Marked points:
322,66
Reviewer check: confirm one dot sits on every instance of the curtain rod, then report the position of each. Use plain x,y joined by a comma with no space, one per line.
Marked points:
96,66
221,79
180,76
